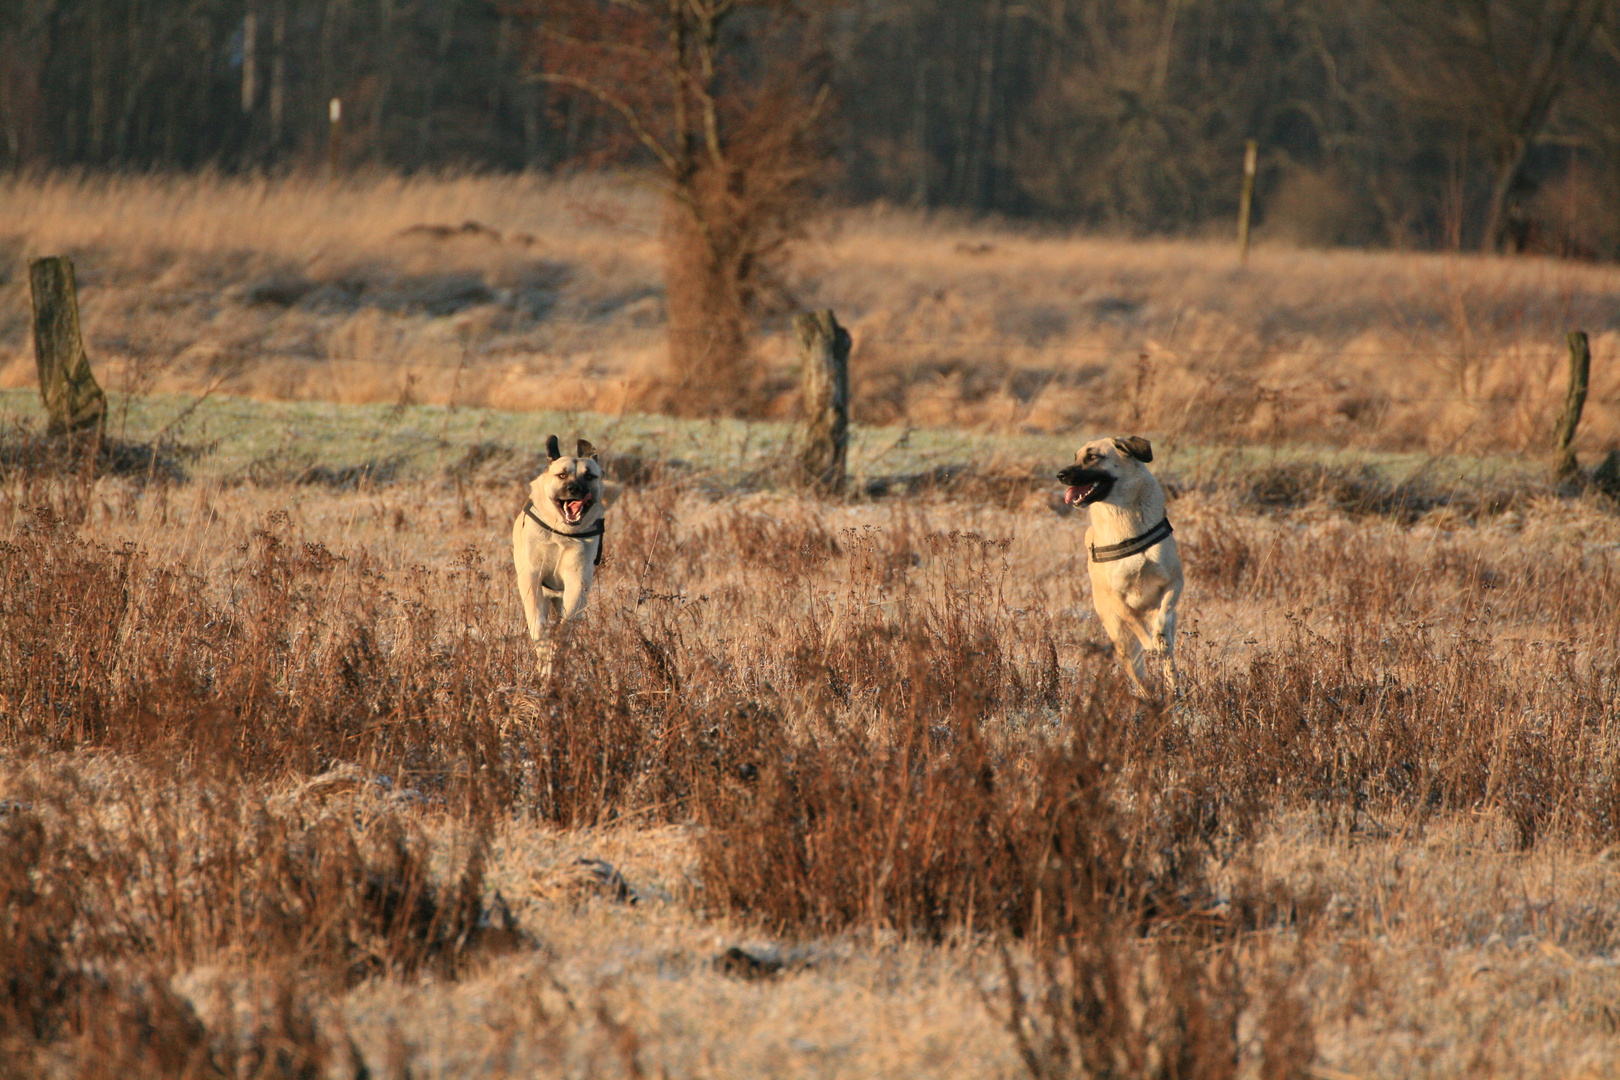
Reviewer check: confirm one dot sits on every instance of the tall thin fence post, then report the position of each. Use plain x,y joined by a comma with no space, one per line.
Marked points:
67,386
334,117
824,429
1251,158
1580,367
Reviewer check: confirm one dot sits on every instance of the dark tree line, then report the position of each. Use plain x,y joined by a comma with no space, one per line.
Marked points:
1425,122
245,84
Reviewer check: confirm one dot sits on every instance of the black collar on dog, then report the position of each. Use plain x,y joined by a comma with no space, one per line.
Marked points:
1134,546
599,529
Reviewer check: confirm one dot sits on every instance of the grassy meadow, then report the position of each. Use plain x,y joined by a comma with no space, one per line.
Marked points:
821,786
521,294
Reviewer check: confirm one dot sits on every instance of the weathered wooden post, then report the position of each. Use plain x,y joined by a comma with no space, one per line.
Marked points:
1251,157
66,385
1580,365
824,429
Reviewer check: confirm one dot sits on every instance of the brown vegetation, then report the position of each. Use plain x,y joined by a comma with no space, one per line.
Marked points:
273,758
296,290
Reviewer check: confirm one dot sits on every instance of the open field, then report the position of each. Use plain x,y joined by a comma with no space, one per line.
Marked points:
840,787
282,795
525,295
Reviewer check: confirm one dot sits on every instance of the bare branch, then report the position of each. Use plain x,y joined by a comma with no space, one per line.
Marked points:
625,110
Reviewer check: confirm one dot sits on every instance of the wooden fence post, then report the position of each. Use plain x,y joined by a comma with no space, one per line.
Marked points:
1580,365
66,385
824,429
1251,157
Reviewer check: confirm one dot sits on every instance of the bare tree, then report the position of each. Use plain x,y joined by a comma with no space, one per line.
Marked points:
727,99
1497,67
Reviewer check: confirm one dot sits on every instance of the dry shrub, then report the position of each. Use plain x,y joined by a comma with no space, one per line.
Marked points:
37,911
292,670
71,456
140,1026
114,858
114,882
1107,1002
1363,490
934,830
1359,721
925,818
872,726
1090,829
1367,705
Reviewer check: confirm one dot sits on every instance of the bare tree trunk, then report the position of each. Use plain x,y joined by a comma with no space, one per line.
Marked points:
388,57
708,339
72,397
979,180
100,83
250,59
919,104
1167,38
1507,175
278,73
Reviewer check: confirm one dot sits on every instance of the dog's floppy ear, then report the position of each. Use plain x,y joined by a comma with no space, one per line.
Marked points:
585,449
1136,446
553,451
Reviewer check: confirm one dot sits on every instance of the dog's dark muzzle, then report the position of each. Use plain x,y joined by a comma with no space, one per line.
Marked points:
573,499
1085,486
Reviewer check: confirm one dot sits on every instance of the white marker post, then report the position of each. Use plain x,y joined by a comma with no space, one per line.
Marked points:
334,113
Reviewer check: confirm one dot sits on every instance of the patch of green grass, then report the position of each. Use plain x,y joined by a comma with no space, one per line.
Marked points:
418,440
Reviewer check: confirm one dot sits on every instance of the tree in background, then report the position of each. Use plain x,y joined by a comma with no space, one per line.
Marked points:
1418,123
1497,68
244,84
727,99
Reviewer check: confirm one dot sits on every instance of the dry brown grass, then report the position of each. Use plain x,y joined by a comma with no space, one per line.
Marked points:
282,794
821,787
296,289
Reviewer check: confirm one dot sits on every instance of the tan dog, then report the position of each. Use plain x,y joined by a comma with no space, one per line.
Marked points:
1131,556
557,543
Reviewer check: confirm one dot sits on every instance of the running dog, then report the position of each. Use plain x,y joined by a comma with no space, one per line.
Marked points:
1131,556
557,543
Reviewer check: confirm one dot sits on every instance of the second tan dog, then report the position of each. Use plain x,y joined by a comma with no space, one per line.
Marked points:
1130,555
557,543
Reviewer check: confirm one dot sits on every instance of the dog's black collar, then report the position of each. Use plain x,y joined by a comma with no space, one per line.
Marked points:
1134,546
599,529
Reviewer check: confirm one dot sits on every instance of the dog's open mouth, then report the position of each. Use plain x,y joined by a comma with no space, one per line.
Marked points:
572,510
1085,486
1079,493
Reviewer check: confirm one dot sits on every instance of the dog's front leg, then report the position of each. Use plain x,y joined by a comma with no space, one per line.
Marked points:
576,573
1123,632
1130,654
1164,636
538,608
1165,646
566,604
529,591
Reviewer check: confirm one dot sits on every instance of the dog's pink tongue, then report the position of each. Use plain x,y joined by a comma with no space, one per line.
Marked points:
575,508
1070,494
